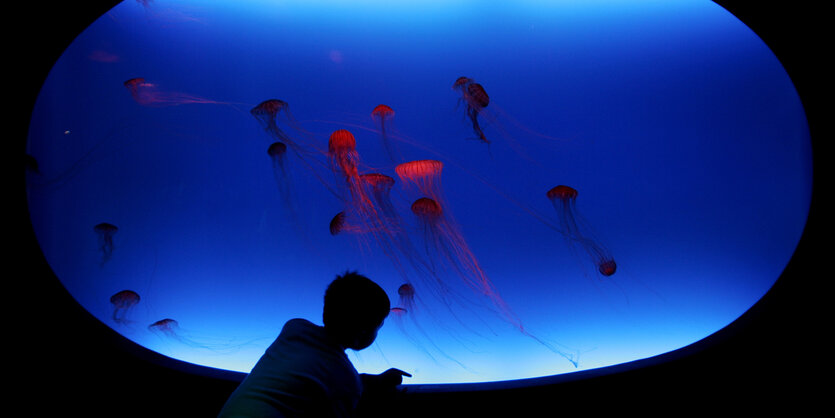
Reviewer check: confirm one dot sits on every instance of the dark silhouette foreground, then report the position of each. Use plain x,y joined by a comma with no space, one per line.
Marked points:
305,372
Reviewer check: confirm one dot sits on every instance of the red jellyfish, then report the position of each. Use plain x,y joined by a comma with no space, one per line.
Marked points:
344,161
476,99
576,229
105,231
149,94
122,303
383,115
425,175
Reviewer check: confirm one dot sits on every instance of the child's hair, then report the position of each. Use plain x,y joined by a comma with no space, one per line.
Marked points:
353,301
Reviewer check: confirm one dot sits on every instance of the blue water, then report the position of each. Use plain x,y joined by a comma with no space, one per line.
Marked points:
679,129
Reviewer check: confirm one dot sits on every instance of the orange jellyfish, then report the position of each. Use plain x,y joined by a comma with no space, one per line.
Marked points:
577,231
383,115
476,99
149,94
105,232
122,303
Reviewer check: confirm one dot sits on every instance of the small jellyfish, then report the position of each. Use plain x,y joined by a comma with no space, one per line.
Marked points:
577,231
344,161
383,115
149,94
167,328
407,296
105,232
122,303
277,152
476,99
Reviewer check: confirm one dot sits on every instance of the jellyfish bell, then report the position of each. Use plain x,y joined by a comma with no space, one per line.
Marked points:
276,149
337,223
382,112
341,140
561,192
477,95
342,149
122,303
268,108
425,175
166,326
427,209
607,267
377,181
461,82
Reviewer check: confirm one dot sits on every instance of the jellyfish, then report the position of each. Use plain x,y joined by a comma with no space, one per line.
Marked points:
169,329
577,231
105,232
149,94
407,296
166,327
277,152
341,224
266,113
425,175
344,161
383,115
122,303
476,99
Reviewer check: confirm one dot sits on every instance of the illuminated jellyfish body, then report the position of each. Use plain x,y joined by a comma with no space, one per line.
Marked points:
122,303
476,99
105,232
149,94
383,114
344,162
576,229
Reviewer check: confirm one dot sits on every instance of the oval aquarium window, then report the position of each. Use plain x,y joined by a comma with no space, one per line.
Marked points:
540,188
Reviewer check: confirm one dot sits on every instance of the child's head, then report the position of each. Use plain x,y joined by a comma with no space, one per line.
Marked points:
355,308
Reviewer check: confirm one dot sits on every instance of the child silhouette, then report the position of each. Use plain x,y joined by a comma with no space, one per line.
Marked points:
305,372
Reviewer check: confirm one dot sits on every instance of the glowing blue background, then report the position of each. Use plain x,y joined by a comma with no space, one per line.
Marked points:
679,128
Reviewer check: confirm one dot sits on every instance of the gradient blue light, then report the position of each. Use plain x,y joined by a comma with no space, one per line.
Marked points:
680,130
